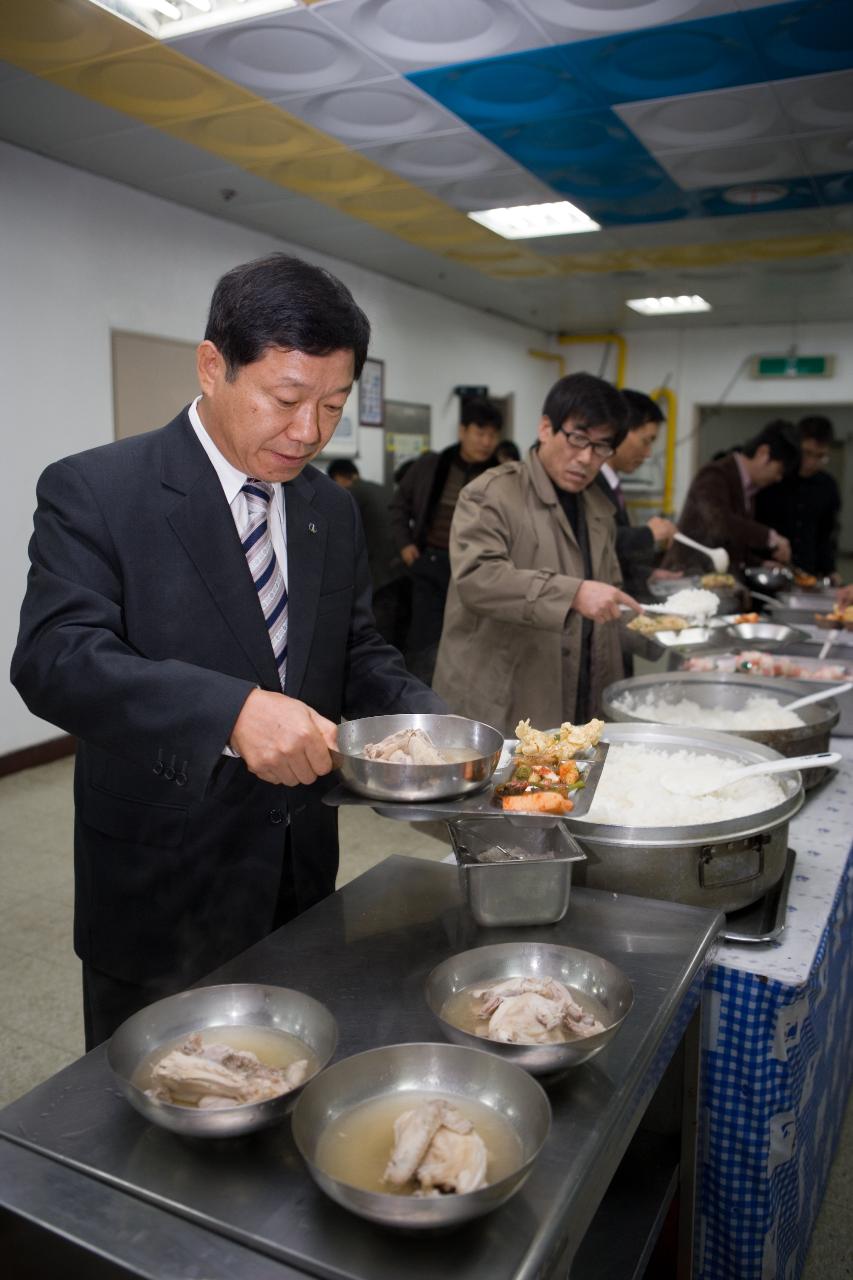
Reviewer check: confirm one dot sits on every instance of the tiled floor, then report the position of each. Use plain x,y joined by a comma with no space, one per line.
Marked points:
41,1012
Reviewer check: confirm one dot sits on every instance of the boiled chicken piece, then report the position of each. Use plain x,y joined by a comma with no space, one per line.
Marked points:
438,1148
526,1010
407,746
216,1075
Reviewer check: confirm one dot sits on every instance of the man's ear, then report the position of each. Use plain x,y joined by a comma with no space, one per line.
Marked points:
210,366
545,430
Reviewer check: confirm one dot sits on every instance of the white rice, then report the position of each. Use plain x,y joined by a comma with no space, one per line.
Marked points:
758,712
631,793
693,602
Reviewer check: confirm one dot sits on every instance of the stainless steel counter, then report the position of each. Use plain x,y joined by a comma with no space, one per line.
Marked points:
365,953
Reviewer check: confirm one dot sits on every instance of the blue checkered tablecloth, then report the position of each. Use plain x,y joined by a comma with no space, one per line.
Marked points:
778,1059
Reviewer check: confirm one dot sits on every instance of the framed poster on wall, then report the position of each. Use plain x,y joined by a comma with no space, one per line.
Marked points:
344,443
371,394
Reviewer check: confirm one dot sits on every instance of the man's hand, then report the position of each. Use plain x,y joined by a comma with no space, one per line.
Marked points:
844,597
782,550
283,740
409,555
600,602
663,531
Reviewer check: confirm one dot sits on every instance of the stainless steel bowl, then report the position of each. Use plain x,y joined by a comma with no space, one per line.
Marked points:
448,1071
762,635
590,974
232,1004
379,780
769,579
724,691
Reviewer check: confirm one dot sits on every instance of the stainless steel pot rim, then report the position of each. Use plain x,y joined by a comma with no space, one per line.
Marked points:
700,740
818,716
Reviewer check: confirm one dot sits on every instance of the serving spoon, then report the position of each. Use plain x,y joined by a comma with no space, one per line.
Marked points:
834,692
718,556
821,759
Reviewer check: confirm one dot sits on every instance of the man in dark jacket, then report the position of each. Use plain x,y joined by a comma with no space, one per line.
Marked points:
636,545
805,506
422,509
719,510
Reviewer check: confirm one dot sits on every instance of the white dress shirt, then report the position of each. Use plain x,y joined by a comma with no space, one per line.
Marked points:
232,482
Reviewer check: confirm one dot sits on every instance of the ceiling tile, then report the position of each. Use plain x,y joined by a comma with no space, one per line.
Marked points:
35,113
828,152
586,19
380,112
705,119
449,156
140,157
817,102
9,71
283,56
493,191
720,166
413,36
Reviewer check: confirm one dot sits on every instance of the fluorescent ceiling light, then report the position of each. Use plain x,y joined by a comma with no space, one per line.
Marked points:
527,221
668,306
165,19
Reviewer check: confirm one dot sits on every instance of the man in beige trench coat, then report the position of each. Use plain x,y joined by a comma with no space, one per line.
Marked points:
531,627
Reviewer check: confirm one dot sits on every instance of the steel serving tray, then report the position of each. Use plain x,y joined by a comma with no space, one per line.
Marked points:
479,804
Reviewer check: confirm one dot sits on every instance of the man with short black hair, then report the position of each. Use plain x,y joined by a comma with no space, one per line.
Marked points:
719,510
636,545
198,616
805,507
422,510
528,629
343,471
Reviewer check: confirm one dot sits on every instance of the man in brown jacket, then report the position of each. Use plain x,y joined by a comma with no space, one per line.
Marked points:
719,510
530,625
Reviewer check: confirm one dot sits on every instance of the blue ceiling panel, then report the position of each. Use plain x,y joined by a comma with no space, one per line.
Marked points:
551,109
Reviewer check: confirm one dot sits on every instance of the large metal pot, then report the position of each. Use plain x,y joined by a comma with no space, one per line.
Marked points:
769,579
723,865
720,690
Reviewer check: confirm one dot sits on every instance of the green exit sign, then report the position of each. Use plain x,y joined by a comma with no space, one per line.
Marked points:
793,366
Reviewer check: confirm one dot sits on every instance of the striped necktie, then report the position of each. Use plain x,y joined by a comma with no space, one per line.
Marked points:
263,566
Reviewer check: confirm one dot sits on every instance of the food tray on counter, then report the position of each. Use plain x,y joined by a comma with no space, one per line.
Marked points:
479,804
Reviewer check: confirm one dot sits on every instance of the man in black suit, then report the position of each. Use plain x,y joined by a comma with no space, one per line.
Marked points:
637,546
198,615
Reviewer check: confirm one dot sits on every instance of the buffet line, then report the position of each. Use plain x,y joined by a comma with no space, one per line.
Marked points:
649,802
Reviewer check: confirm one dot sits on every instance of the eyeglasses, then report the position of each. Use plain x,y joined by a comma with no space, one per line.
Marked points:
578,440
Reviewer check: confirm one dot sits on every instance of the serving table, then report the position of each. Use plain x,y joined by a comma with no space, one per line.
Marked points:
84,1177
778,1057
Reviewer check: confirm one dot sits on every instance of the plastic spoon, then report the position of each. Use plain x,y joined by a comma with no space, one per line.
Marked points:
835,692
830,640
822,759
718,556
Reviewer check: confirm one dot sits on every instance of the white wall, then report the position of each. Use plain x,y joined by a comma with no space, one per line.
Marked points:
80,255
704,365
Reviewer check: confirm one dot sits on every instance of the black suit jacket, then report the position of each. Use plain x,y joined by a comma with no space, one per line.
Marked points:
142,634
635,545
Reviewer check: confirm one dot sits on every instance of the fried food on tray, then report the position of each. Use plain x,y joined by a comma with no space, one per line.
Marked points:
748,617
556,746
718,581
803,579
844,617
648,625
538,802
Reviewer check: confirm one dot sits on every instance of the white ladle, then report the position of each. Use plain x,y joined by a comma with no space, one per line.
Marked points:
718,556
830,640
822,759
835,692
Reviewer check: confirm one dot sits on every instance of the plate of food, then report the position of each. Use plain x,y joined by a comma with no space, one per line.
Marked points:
528,776
839,620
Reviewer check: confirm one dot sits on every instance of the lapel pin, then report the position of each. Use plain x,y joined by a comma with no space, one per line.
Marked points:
312,528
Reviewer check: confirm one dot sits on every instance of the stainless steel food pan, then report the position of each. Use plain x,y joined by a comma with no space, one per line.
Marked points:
527,892
724,865
719,690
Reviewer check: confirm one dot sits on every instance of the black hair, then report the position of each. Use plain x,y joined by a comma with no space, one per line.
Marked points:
481,413
342,467
507,451
782,439
284,302
589,402
816,428
641,409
